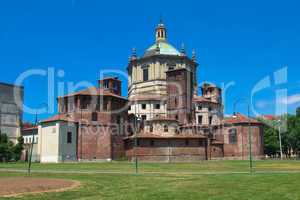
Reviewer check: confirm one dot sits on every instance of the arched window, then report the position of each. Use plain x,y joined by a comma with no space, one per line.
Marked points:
232,136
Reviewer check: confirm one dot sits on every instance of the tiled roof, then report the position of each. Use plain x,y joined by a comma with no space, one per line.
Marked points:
110,78
59,117
269,117
202,99
240,119
30,128
93,91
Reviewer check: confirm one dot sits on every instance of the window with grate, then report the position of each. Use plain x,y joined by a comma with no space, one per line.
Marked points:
69,137
232,136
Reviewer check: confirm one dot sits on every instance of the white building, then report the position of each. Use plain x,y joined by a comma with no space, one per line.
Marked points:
57,140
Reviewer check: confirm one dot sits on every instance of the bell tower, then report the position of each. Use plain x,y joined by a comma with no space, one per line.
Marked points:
161,32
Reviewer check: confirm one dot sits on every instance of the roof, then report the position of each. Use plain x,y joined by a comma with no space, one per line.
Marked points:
164,49
93,91
269,117
240,119
30,128
115,78
202,99
29,131
59,117
209,85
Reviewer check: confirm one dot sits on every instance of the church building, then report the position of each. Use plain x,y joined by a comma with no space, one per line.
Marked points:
164,119
175,123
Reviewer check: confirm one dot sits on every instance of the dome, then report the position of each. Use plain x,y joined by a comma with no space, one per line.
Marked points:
161,47
164,49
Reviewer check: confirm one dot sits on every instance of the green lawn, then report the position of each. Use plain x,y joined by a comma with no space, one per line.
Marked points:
181,184
200,167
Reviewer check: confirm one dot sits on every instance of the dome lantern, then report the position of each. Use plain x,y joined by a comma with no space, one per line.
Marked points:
161,32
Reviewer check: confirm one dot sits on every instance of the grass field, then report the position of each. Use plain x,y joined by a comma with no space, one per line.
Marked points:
210,180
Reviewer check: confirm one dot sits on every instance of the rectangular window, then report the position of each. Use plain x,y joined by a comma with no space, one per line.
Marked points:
143,106
144,117
199,107
232,136
69,137
129,107
157,106
210,120
145,74
94,116
106,84
200,119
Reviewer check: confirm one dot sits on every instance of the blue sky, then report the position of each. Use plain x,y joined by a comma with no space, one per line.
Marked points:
236,41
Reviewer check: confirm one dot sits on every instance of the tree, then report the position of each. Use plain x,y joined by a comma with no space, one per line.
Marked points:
18,148
10,151
298,112
271,145
271,139
292,139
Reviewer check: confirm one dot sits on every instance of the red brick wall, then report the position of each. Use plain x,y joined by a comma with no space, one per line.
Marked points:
240,150
180,91
101,139
216,151
93,145
172,150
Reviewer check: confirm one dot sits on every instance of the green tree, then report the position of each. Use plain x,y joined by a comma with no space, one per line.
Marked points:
298,112
8,150
292,138
271,144
18,148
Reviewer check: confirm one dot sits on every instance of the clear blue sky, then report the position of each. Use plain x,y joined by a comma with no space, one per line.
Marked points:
235,41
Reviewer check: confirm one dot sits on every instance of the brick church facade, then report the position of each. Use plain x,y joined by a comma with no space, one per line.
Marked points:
164,119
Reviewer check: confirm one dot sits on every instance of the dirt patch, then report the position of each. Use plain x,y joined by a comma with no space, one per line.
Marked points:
27,185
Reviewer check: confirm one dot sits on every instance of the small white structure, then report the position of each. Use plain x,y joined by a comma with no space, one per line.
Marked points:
57,140
31,140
